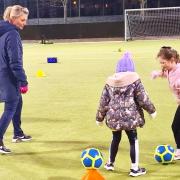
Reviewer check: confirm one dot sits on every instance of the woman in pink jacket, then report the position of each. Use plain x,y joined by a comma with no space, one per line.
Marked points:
170,64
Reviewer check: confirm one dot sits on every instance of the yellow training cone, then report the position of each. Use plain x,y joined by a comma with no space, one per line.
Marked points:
40,73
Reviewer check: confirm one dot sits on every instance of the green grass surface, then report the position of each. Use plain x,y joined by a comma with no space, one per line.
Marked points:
59,112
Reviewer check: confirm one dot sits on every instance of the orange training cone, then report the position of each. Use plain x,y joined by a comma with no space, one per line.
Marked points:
92,174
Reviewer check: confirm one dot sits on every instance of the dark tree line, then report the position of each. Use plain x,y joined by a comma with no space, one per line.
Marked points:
75,8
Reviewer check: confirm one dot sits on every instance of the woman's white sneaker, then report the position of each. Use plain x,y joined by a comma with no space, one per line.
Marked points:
4,150
17,139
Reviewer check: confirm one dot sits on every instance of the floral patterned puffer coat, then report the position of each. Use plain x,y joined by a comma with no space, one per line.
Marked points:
122,102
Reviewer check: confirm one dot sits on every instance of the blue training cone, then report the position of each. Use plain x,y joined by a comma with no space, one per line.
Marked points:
52,60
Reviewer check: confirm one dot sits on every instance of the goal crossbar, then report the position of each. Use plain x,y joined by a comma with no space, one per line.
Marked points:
152,22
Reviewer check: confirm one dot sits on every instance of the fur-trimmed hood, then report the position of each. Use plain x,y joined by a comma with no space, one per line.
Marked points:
122,79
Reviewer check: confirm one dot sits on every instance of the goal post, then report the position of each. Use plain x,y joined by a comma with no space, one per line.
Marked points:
151,23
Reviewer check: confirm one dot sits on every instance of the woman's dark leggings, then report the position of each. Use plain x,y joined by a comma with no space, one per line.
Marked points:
134,149
176,127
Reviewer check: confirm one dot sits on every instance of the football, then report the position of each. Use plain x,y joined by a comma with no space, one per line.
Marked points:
164,154
91,158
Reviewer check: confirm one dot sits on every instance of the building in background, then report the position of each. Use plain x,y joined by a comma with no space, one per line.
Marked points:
76,8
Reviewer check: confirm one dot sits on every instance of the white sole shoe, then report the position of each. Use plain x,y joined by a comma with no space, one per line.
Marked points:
139,172
109,167
176,157
21,139
4,150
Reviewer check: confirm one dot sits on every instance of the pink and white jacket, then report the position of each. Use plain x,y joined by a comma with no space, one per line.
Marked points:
173,77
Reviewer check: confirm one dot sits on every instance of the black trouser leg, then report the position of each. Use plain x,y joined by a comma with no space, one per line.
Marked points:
114,145
176,127
134,147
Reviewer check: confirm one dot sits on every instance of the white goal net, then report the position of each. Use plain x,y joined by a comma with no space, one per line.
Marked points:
152,23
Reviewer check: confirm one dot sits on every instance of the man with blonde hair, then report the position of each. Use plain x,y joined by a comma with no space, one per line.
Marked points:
13,80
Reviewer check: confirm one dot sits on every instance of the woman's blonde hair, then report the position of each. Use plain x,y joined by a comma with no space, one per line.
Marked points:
12,12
